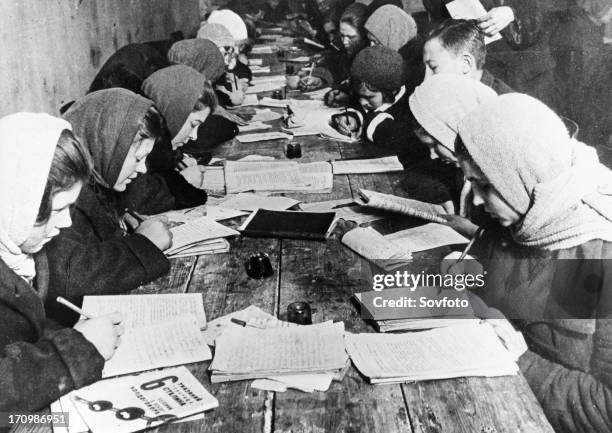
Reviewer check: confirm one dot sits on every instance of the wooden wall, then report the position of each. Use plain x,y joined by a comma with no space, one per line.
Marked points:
52,49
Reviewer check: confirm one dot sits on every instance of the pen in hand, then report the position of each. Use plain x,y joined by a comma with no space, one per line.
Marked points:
134,215
469,245
73,307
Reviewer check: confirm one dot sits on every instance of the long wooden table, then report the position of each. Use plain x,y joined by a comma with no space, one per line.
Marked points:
326,275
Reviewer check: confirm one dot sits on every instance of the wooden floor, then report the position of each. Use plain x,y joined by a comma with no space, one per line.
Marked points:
326,275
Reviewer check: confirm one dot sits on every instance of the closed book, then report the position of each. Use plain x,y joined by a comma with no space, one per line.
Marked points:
288,224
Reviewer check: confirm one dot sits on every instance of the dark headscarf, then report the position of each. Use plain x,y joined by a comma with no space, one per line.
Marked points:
201,54
128,67
175,91
107,122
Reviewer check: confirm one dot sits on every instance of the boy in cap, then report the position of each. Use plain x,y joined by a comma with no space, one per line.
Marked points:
383,118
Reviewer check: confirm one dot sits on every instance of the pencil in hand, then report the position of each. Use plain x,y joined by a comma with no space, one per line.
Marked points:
73,307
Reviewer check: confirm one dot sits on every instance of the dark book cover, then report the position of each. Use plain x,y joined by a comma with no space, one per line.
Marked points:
288,224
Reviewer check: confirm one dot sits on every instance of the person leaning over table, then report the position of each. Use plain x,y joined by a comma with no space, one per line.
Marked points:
384,117
185,99
96,255
42,169
204,56
230,89
438,106
334,68
547,257
458,47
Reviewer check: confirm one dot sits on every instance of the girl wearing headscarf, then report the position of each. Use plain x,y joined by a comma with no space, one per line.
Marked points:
391,27
204,56
438,106
231,86
96,255
42,169
547,259
335,67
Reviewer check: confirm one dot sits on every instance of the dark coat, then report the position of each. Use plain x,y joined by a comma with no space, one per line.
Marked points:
562,303
38,362
95,257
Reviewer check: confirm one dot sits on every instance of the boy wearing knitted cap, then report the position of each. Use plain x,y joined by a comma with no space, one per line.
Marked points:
384,118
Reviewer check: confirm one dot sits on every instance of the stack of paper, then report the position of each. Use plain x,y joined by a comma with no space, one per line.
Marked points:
458,351
370,244
135,404
266,84
199,236
346,209
365,166
263,49
160,330
406,206
415,308
426,237
250,353
256,69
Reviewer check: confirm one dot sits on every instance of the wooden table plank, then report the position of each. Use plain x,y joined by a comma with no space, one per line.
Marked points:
226,288
176,281
326,275
474,405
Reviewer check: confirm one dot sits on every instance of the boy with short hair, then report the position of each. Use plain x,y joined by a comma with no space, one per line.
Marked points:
458,47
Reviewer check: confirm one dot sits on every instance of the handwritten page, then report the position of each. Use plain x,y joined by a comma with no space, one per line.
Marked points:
426,237
370,244
251,202
364,166
469,10
252,315
262,176
258,353
165,344
263,136
147,310
201,229
406,206
317,176
214,180
443,353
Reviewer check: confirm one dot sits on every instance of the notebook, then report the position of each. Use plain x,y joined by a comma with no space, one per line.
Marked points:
288,224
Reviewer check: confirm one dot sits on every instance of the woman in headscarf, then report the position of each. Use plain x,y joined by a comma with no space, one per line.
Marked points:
335,67
204,56
391,27
233,83
97,255
547,258
128,67
42,169
438,106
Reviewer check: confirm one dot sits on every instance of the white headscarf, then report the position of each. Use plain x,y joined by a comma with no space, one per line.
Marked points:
27,146
232,21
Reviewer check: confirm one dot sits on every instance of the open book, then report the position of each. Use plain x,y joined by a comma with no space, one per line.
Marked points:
195,232
160,330
406,206
443,353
